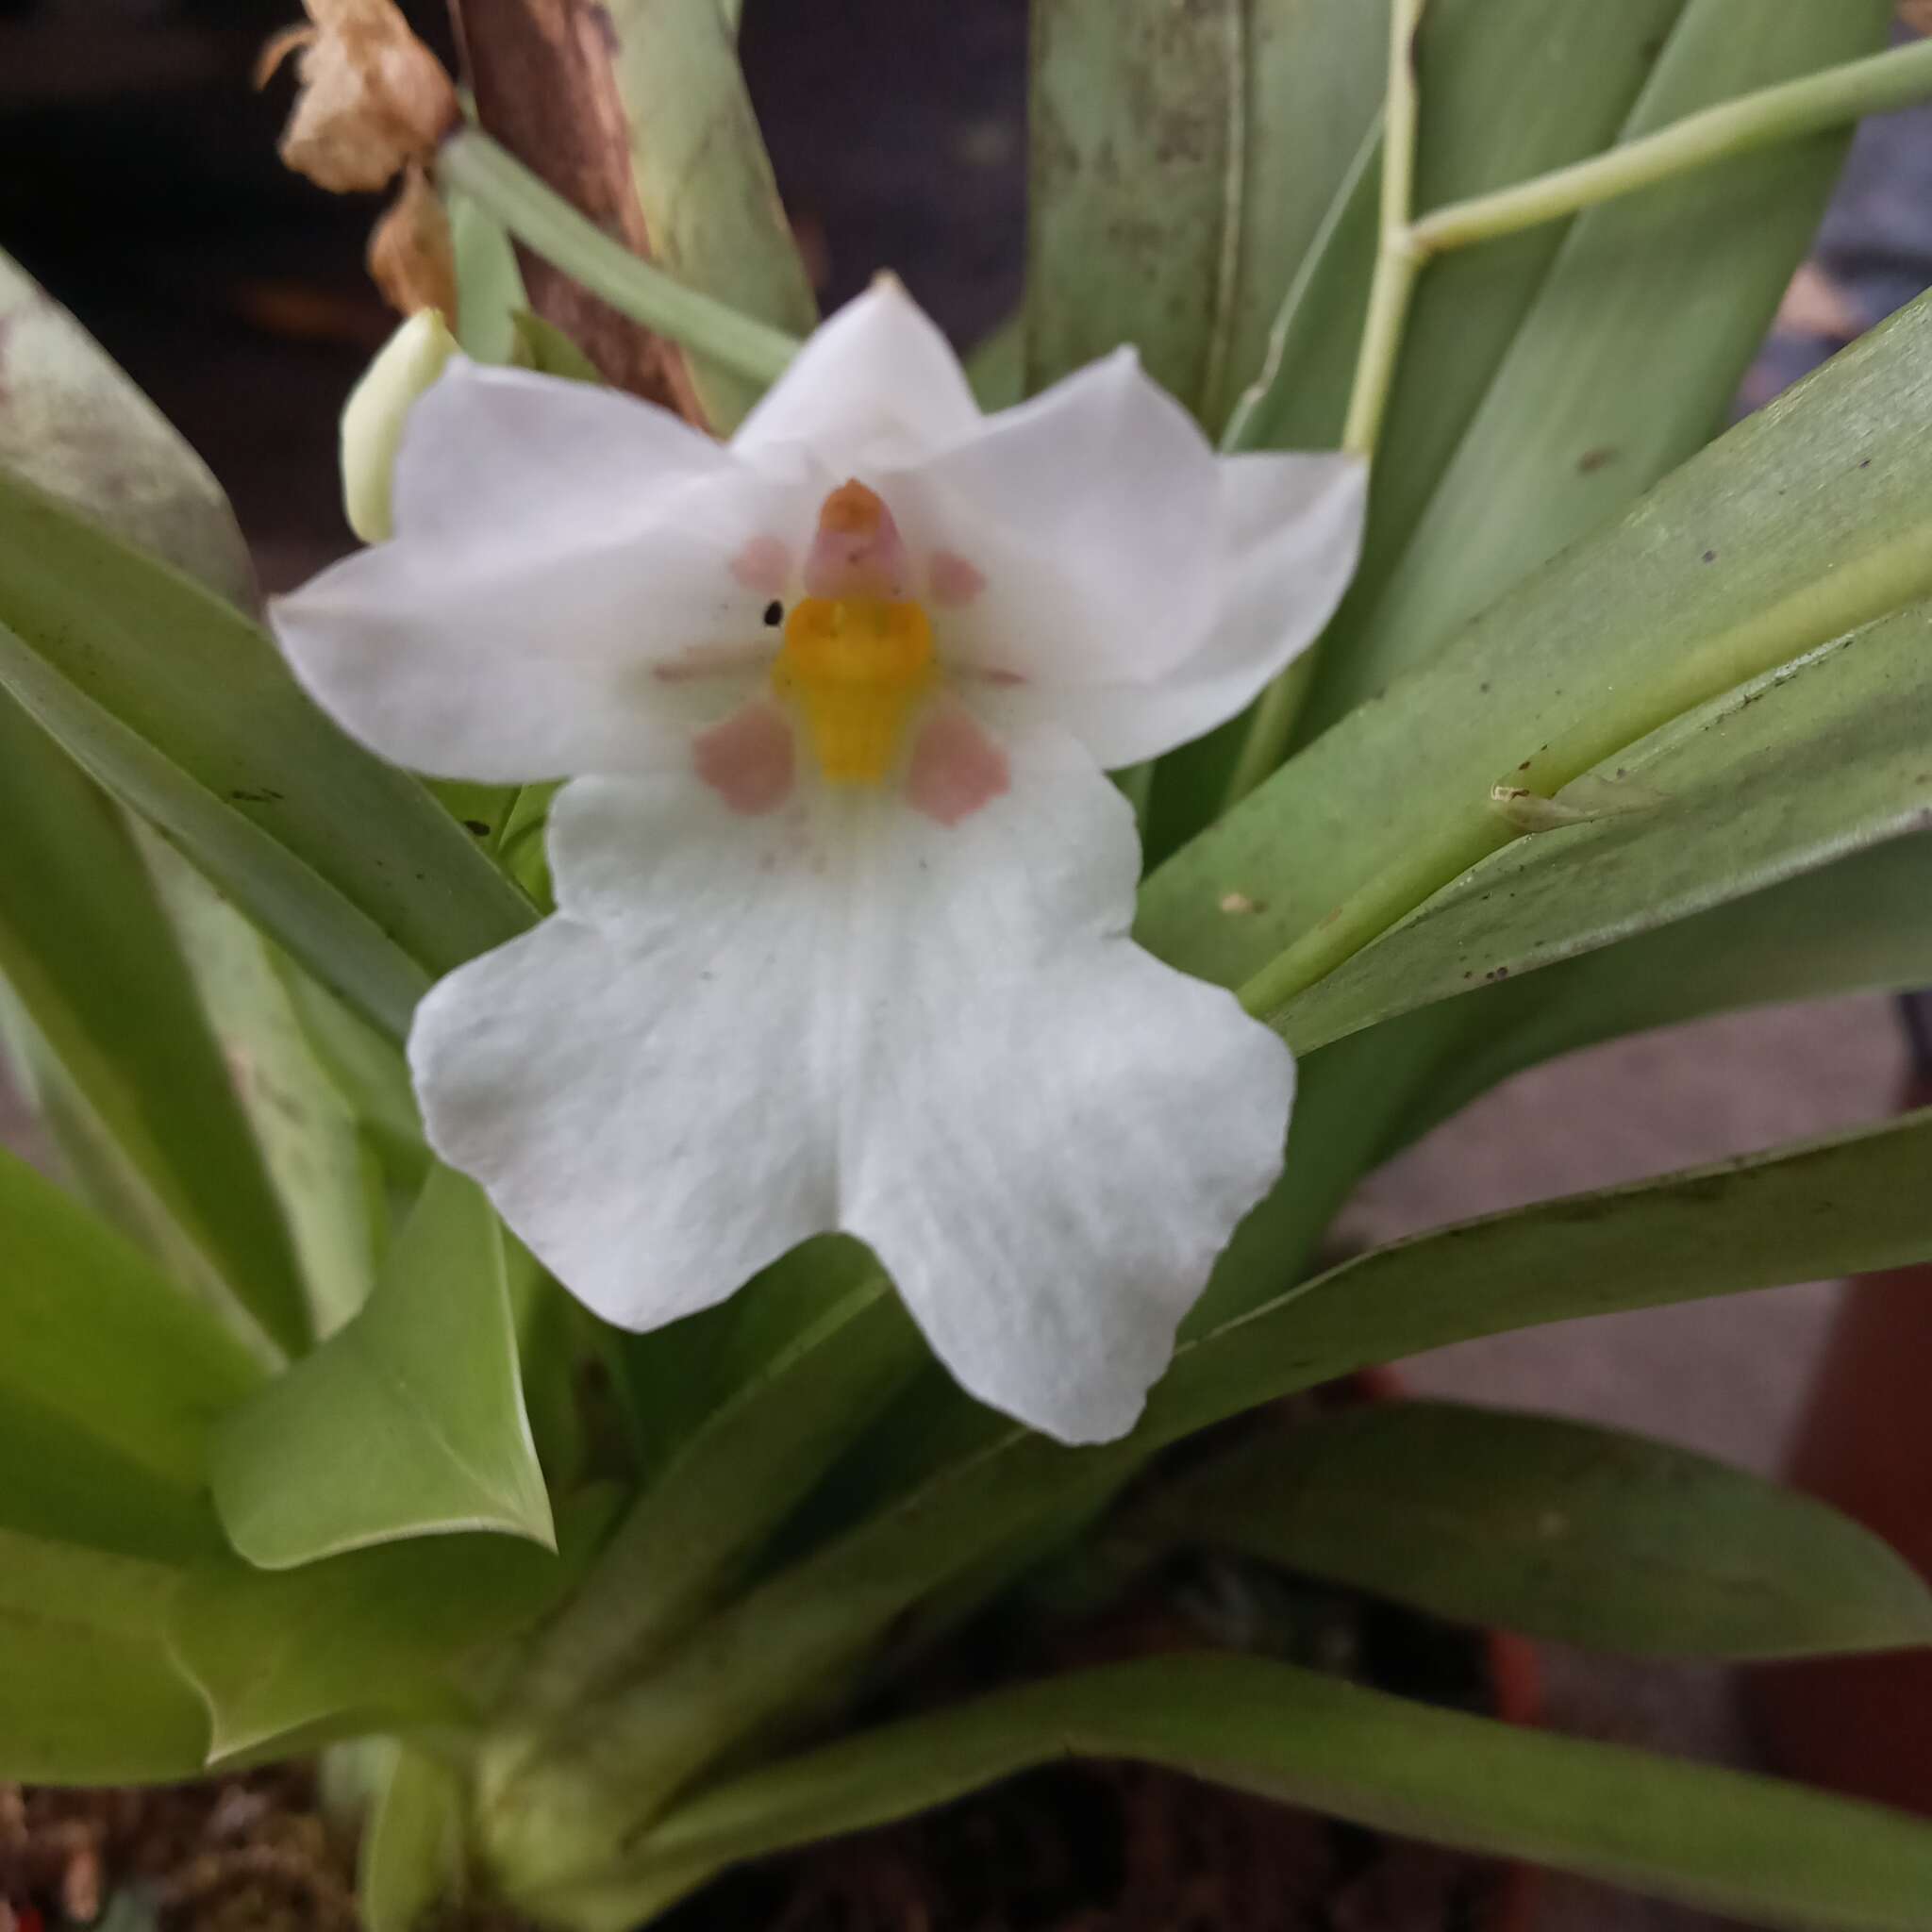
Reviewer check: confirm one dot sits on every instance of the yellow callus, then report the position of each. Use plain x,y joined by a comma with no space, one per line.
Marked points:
855,667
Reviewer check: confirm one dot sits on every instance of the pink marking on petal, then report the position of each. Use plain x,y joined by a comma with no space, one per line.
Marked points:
748,761
956,767
954,579
763,565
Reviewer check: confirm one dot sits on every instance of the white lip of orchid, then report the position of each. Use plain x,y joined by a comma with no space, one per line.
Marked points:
843,892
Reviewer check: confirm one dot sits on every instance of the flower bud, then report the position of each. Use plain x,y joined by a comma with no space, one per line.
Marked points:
374,416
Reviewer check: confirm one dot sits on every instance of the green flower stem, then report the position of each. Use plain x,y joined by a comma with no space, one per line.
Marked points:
1396,259
1397,264
1876,84
543,221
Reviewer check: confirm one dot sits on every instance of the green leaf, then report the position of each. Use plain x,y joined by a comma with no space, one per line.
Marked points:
1626,354
1754,1846
1315,74
377,1639
73,424
1861,925
996,365
366,1068
544,347
408,1423
1183,162
1552,1527
1133,230
185,709
490,287
1786,773
1815,518
1554,375
111,1382
704,181
413,1852
89,957
1296,394
307,1131
88,1695
1847,1204
776,1404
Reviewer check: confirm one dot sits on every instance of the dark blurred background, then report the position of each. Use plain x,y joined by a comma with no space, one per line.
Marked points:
139,181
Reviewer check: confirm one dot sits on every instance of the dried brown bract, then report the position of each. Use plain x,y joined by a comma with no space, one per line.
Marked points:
374,97
411,257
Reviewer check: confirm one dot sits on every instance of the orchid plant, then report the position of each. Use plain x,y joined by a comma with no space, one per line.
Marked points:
677,1075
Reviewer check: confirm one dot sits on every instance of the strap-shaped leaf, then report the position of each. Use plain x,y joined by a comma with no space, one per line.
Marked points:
1552,1527
1134,229
703,179
83,944
1786,772
1863,924
1313,74
184,708
1850,1203
781,1410
88,1695
89,957
111,1382
1482,127
1770,1852
70,422
1183,159
1548,380
1814,518
1636,336
307,1131
408,1423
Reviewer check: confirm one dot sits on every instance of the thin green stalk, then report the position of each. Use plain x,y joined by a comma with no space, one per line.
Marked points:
1397,264
543,221
1396,261
1876,84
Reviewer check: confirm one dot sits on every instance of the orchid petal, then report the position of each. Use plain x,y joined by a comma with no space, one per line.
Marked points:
1092,513
562,595
744,1029
877,383
1291,529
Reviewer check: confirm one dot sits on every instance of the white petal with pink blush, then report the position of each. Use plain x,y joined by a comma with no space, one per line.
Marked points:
843,892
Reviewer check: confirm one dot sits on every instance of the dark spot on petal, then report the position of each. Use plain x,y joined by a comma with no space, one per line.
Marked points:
775,612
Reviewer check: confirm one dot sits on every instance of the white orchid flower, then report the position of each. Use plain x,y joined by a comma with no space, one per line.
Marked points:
843,895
